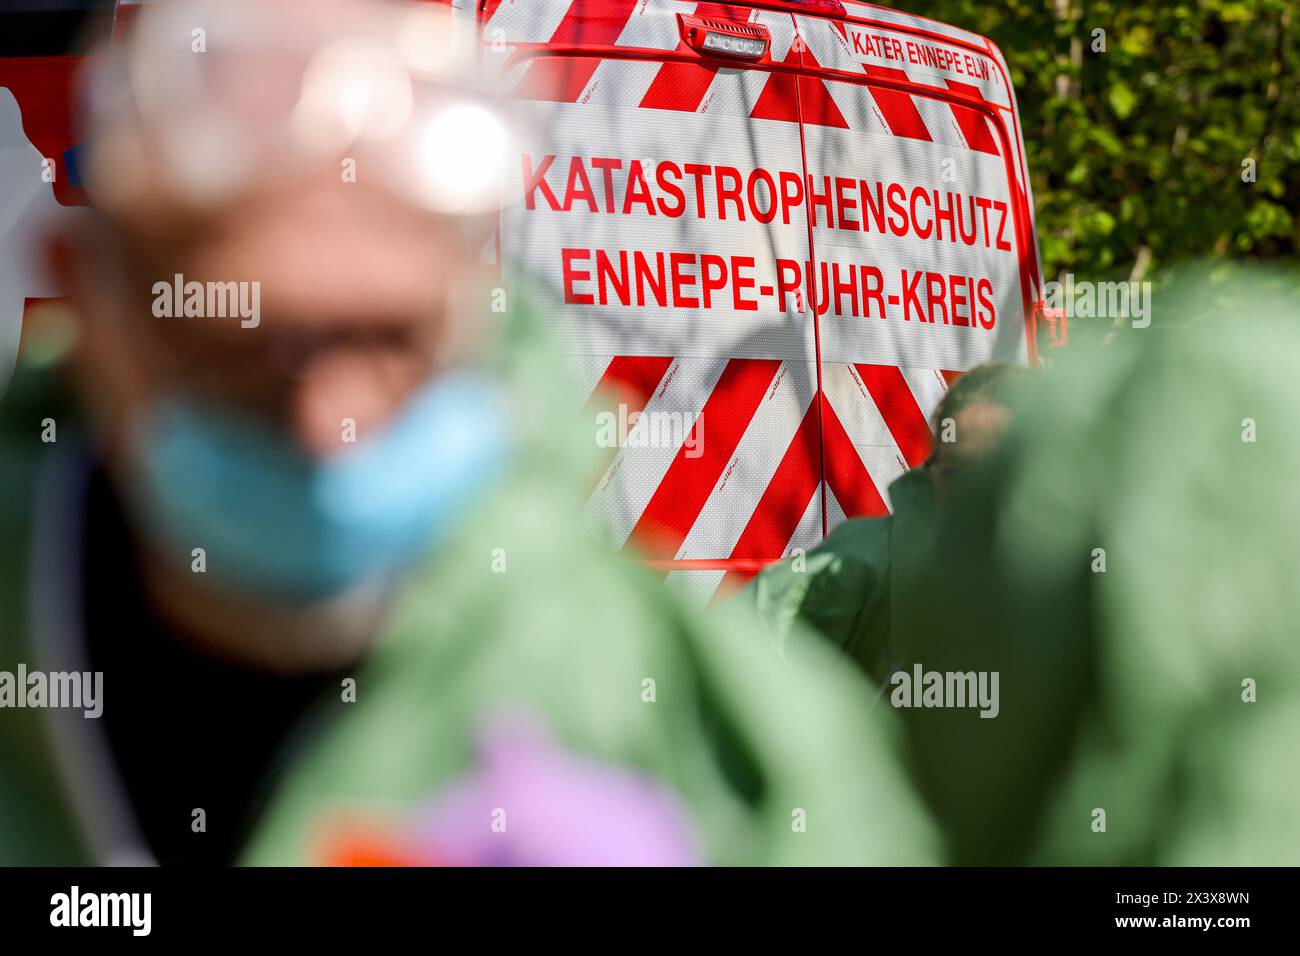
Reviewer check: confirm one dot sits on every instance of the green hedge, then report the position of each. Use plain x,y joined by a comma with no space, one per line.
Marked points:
1137,151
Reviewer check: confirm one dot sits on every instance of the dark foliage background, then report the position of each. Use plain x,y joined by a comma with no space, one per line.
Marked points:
1136,147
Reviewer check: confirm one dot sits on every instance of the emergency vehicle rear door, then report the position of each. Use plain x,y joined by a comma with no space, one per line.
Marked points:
926,261
653,199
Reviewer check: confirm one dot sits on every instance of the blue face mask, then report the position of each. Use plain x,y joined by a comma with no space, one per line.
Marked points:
284,526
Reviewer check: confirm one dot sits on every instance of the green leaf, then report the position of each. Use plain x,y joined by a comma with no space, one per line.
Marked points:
1122,99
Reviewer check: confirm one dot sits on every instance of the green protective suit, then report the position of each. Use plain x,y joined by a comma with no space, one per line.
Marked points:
1128,565
774,757
841,589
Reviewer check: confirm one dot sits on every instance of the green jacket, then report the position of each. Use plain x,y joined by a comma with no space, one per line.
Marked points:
841,589
776,760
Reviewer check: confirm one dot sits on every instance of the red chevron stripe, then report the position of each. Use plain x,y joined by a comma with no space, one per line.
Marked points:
631,379
689,482
682,86
900,112
846,476
898,407
972,123
780,99
594,21
562,79
679,86
783,503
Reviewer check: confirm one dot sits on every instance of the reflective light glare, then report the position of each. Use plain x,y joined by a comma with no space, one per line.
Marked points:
351,89
427,43
737,46
462,155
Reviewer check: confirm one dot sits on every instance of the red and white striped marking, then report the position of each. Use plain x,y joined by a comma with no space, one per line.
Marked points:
686,87
798,430
754,492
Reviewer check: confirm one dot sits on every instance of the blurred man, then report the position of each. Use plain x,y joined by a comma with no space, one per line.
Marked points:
842,588
308,528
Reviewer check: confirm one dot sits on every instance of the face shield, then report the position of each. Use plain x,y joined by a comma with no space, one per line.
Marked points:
219,96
